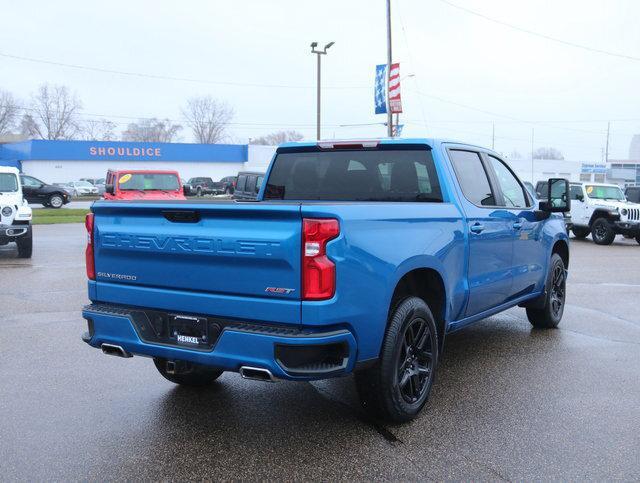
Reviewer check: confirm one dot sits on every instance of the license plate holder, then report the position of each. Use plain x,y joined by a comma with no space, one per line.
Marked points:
188,330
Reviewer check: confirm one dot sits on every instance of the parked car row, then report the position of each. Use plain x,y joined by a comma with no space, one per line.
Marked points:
141,184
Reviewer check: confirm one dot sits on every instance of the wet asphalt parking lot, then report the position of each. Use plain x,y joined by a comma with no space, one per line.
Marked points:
509,402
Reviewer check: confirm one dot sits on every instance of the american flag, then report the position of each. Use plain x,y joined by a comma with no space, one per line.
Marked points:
380,90
395,103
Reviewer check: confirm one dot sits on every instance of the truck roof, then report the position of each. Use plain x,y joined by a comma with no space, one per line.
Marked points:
328,143
9,169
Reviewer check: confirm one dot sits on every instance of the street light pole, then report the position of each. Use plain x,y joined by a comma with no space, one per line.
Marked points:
319,52
389,61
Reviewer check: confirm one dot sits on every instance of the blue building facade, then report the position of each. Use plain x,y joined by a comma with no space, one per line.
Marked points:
63,161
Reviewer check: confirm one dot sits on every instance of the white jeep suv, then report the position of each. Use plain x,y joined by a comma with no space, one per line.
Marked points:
15,214
602,210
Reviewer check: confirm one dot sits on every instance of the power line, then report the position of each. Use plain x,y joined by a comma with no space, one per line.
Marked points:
165,77
543,36
504,116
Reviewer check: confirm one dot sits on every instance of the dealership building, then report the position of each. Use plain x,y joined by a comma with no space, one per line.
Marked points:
64,161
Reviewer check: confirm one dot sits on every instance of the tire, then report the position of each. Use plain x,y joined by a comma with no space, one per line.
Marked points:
638,239
194,374
410,354
550,315
55,201
198,191
25,245
580,232
602,233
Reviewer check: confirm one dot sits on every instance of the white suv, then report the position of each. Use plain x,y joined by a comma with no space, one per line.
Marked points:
15,214
602,210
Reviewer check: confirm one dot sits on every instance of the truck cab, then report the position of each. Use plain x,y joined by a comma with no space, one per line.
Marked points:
143,185
15,213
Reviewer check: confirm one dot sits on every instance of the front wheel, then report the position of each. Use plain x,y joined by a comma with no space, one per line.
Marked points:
638,238
602,232
25,246
550,314
186,373
398,386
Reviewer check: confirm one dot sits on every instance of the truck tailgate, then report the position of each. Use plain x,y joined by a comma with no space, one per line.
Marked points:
224,248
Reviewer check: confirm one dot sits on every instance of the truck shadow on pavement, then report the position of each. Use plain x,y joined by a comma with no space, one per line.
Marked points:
239,429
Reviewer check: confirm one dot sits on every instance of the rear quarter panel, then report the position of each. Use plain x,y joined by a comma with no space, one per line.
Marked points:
378,244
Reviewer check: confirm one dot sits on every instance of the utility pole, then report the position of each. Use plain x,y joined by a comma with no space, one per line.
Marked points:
532,134
319,53
606,150
389,62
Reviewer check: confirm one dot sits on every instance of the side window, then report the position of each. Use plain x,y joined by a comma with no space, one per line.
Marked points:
512,190
576,192
242,181
29,181
472,177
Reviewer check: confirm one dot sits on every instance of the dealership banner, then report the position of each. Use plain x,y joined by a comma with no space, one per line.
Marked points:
395,103
380,90
381,87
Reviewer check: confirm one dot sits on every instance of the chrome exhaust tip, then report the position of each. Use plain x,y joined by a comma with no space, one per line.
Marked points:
114,350
256,374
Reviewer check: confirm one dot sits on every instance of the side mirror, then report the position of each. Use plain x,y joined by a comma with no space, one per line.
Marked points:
558,199
109,188
580,197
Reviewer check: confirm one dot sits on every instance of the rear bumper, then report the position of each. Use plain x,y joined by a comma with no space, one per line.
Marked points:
238,344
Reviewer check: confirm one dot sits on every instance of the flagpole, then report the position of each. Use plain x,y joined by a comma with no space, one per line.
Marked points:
389,61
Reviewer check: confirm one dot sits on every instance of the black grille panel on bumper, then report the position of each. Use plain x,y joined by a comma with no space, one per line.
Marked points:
154,326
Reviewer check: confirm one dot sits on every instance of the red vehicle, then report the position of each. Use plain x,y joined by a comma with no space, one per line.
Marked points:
138,184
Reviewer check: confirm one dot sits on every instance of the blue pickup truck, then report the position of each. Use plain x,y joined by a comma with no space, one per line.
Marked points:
357,256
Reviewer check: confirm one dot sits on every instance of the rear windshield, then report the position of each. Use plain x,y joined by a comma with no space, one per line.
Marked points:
148,181
380,175
8,182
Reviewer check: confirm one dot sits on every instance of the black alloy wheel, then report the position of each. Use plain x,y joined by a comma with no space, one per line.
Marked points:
415,361
558,287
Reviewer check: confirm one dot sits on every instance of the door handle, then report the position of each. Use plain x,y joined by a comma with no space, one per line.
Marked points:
477,228
517,225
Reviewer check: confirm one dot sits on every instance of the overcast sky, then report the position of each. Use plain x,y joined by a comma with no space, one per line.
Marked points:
469,72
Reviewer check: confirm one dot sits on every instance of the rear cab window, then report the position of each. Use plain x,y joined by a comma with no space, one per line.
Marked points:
473,178
388,174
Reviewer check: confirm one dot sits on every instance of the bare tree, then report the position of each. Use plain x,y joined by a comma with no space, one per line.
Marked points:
515,154
278,137
8,112
547,153
53,114
208,118
98,130
152,130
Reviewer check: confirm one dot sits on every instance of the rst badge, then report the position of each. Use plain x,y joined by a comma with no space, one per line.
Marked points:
279,290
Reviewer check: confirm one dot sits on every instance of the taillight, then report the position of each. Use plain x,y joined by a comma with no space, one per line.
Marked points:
90,260
318,272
